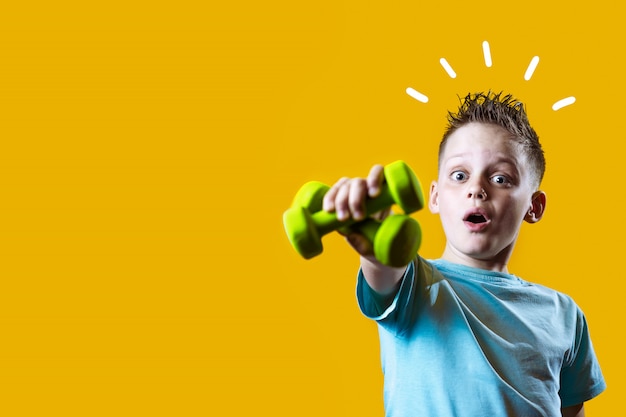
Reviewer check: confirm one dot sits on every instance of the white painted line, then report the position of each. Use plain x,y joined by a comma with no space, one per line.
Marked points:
531,68
487,54
563,102
447,67
417,95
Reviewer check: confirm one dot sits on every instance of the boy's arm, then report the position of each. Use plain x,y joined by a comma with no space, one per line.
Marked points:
381,278
573,411
347,198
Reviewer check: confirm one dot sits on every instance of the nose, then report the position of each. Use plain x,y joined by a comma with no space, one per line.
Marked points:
476,191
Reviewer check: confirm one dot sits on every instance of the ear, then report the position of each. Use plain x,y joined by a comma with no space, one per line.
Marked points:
433,198
537,207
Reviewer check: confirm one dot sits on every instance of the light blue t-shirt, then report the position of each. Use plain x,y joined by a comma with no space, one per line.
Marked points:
460,341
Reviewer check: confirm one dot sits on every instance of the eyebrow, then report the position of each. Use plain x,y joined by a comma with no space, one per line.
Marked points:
500,159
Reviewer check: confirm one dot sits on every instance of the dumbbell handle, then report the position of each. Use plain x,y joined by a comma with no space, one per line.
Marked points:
326,222
368,228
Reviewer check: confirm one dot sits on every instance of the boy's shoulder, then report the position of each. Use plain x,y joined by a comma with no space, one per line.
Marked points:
445,270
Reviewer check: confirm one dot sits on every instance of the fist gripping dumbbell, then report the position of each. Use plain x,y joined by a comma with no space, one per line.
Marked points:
395,239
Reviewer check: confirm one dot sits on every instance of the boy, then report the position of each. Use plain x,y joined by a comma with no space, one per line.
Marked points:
460,335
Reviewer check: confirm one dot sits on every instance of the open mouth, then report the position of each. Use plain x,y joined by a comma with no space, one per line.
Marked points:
476,218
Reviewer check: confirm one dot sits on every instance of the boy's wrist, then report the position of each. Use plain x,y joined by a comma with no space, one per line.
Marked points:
381,278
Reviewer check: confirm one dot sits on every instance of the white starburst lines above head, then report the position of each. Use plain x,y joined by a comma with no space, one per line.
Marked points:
487,54
563,102
530,70
417,95
447,67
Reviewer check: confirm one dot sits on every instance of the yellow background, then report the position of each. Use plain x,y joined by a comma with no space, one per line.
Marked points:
148,150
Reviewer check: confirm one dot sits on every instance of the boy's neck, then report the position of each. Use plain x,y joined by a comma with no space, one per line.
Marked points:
497,264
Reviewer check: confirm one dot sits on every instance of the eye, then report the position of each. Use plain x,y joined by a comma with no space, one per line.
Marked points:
501,179
458,176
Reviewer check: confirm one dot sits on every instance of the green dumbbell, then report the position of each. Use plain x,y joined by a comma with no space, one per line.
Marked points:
395,239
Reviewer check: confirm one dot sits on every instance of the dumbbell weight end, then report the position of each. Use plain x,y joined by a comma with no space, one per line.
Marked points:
395,240
302,233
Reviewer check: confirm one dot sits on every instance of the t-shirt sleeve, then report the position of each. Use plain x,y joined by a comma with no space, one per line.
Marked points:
581,376
374,305
398,312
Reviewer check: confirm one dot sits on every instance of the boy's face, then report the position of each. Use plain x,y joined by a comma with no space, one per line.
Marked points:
483,193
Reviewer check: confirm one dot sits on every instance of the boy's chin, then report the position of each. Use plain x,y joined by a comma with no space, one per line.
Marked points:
482,252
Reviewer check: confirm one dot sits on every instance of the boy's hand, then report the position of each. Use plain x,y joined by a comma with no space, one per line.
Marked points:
347,196
347,199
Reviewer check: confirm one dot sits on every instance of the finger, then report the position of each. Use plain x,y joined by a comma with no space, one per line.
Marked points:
341,201
356,198
360,244
328,203
382,215
375,180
